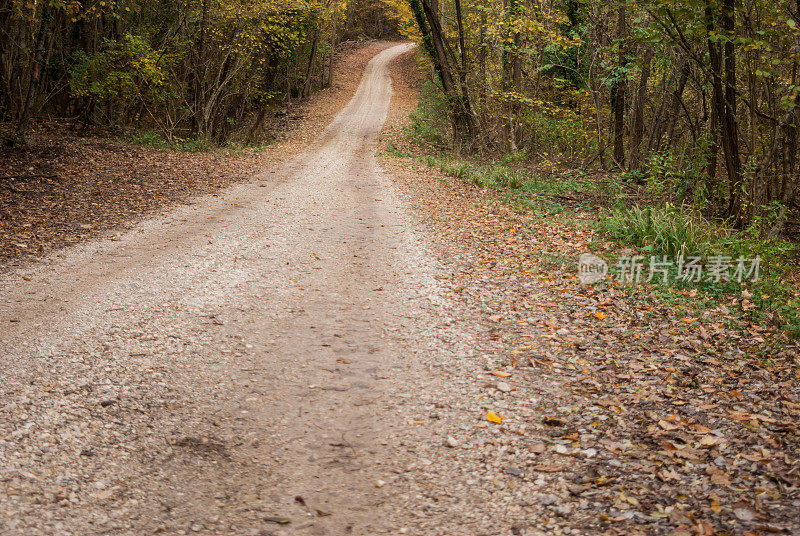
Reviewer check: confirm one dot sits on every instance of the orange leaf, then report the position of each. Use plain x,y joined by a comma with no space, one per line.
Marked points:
494,417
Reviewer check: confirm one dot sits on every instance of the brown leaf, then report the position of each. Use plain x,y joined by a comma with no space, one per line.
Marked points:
549,467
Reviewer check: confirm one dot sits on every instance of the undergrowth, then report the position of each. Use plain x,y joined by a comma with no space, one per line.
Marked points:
650,227
681,232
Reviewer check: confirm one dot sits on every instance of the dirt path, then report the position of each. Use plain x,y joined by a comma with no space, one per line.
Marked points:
234,361
67,187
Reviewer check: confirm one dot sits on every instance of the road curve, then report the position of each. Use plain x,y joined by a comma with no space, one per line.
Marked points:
225,365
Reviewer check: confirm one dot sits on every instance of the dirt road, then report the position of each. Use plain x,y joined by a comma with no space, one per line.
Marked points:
229,364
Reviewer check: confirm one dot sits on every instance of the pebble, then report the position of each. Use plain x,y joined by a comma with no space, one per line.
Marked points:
511,470
548,500
451,442
503,387
564,510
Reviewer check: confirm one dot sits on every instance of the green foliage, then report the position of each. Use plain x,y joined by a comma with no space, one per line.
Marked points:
562,135
675,231
123,71
200,69
664,230
429,122
148,138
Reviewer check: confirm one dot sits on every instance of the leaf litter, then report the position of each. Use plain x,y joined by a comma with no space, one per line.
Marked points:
638,418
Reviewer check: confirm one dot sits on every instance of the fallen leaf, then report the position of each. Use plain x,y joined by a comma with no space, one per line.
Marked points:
553,421
744,514
494,417
549,467
278,520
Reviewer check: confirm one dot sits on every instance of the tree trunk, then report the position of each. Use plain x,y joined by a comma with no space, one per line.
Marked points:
724,102
730,132
36,71
619,92
435,45
199,75
677,96
482,74
637,127
512,75
312,58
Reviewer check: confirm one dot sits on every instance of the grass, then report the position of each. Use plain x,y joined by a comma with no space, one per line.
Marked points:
680,231
156,140
665,230
522,189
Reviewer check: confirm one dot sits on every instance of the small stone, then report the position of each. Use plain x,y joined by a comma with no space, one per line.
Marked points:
503,387
547,500
564,510
379,483
196,527
451,442
538,448
511,470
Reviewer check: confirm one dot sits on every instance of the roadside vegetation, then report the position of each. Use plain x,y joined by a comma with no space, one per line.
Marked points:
673,125
184,74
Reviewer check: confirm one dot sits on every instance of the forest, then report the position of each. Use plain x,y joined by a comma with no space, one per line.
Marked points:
696,100
201,68
692,103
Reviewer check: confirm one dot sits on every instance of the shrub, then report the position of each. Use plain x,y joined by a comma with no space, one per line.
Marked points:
123,72
429,124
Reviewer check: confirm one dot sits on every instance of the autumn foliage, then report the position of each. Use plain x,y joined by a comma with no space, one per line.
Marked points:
697,98
208,68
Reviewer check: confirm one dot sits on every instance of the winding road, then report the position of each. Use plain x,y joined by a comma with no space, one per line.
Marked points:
228,367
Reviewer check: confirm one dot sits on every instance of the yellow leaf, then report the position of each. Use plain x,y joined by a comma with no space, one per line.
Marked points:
600,315
494,417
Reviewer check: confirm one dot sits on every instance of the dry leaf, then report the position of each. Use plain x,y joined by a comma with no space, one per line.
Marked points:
494,417
549,467
744,514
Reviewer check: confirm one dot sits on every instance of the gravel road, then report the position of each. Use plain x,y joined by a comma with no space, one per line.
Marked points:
242,365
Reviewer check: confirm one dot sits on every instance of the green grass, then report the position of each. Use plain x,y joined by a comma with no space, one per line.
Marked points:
664,230
675,231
